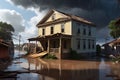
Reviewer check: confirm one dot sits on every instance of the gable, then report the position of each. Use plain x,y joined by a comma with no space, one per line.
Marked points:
56,15
60,16
49,15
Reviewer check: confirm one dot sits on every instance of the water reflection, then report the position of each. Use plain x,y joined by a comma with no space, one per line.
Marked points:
66,69
75,70
70,69
104,69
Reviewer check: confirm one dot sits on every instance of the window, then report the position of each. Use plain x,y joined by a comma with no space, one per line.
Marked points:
93,46
52,29
89,33
84,31
84,44
62,27
43,31
78,43
89,44
78,31
53,17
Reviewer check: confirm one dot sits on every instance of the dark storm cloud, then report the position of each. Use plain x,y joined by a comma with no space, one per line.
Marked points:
95,10
84,4
101,12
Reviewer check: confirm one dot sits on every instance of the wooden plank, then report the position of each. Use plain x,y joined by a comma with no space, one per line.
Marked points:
18,72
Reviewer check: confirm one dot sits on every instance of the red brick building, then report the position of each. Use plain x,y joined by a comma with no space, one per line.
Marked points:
4,50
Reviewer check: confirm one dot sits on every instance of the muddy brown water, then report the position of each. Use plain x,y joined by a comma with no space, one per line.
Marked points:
65,69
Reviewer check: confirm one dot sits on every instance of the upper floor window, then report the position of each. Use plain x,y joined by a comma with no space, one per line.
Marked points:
52,29
43,31
63,27
84,31
53,17
78,31
89,32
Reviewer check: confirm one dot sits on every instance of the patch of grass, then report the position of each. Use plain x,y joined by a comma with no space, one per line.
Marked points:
50,56
115,58
74,55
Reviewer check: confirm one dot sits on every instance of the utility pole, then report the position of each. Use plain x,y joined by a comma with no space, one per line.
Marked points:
19,43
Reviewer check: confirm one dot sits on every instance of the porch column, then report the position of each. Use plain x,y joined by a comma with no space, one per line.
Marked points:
60,49
36,47
48,48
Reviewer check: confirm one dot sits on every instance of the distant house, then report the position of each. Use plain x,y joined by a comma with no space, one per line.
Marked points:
112,47
59,32
31,47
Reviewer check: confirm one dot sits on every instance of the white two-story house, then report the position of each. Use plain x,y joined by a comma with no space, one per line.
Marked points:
59,32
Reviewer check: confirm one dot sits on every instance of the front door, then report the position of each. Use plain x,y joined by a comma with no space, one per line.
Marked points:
46,45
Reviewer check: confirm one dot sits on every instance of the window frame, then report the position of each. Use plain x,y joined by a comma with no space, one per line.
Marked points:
89,44
63,27
53,17
89,32
52,29
84,44
84,31
43,31
78,31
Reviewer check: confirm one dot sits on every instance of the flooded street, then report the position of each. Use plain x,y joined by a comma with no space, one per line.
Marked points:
64,69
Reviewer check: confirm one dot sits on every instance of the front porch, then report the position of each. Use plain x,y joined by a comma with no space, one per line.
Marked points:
57,44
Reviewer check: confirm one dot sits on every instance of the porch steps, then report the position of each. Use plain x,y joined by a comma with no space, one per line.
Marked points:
38,54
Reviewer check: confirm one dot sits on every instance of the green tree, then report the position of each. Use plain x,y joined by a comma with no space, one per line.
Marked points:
6,31
114,26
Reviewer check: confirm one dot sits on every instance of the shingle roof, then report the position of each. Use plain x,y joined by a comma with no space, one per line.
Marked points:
74,17
70,17
49,36
2,42
113,42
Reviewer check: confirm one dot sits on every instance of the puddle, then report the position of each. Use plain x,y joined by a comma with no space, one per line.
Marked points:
65,69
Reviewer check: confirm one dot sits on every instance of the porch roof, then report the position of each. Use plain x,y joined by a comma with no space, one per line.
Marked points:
2,42
57,35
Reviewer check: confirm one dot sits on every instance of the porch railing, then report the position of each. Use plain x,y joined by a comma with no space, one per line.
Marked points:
54,50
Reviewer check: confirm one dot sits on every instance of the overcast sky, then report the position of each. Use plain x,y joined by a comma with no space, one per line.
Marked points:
25,14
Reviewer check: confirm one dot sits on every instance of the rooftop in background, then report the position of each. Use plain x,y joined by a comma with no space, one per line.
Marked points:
113,42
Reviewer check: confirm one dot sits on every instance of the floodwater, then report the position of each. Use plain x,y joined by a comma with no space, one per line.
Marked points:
65,69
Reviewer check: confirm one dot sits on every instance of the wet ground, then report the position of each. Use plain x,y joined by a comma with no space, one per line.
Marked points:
64,69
